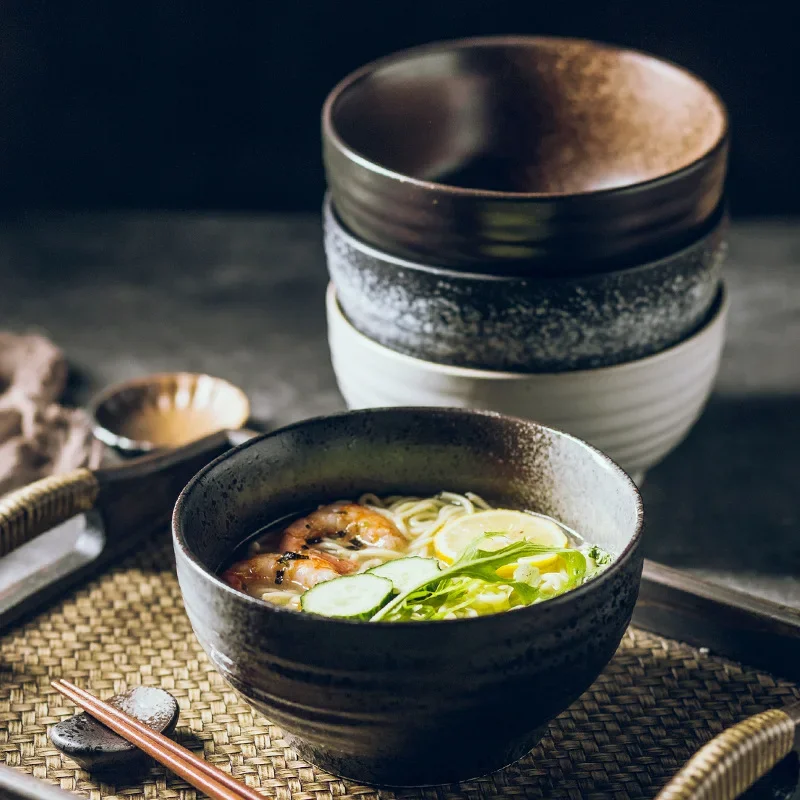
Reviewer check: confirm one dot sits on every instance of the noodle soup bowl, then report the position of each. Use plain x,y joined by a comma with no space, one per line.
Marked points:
409,703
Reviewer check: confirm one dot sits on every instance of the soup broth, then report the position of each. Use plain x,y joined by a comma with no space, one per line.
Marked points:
400,558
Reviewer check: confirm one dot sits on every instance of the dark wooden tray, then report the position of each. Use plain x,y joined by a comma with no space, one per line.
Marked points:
722,517
728,622
672,602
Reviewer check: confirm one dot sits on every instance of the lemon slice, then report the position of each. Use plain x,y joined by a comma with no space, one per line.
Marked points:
451,541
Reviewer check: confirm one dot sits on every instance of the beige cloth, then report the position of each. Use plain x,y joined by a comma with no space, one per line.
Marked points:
38,437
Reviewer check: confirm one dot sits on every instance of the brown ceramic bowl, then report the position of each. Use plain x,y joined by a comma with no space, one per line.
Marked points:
409,703
525,154
166,410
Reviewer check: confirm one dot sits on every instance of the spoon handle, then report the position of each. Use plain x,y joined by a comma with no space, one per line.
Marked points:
734,760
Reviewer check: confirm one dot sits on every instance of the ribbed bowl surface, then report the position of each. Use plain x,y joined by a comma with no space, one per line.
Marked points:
525,324
409,703
636,412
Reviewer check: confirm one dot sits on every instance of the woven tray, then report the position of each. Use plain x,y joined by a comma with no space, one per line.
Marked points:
653,706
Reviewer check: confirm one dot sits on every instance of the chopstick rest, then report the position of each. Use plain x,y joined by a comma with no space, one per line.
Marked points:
216,783
96,748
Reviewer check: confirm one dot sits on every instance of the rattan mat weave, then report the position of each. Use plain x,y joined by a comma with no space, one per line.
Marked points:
654,704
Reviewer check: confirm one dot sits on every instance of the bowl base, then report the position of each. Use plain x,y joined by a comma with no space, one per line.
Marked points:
417,770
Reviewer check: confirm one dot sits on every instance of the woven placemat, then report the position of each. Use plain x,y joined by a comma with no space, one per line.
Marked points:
655,703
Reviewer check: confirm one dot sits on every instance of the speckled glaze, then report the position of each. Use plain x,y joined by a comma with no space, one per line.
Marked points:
636,412
98,749
409,704
524,324
532,154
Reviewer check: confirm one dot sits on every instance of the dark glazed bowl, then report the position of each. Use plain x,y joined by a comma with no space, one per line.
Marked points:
409,704
524,154
519,324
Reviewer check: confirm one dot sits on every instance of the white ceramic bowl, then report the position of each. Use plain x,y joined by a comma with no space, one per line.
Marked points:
635,412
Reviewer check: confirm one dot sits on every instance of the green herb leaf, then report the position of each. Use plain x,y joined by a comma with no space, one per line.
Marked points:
600,557
459,586
598,561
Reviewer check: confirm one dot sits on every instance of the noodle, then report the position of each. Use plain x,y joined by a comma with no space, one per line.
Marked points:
418,520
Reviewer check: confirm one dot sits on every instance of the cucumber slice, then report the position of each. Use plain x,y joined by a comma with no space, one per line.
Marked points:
406,573
349,597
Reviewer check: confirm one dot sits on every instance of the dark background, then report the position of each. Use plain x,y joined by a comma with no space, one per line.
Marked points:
216,105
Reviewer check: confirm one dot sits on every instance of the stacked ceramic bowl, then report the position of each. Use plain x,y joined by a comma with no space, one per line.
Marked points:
533,226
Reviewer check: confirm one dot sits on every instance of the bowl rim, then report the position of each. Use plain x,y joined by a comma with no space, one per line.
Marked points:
112,439
714,319
303,618
331,135
716,224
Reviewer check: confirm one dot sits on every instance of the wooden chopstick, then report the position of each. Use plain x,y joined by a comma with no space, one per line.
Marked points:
213,781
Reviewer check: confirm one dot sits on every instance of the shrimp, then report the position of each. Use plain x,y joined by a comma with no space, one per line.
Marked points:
294,571
356,526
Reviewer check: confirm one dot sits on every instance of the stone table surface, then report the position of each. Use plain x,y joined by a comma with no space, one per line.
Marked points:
242,297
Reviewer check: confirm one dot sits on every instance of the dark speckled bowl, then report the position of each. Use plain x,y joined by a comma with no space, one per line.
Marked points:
409,704
519,324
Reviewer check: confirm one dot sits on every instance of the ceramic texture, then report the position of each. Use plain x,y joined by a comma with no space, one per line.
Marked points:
409,704
98,749
528,154
637,412
166,410
524,324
